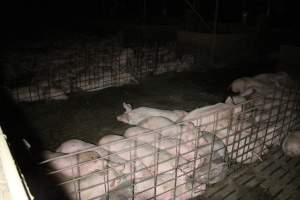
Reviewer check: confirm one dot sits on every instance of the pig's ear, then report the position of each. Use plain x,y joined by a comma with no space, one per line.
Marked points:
127,107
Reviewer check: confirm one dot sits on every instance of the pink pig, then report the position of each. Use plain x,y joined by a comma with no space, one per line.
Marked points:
135,116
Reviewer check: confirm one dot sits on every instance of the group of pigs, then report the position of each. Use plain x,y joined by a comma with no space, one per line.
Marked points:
167,148
272,87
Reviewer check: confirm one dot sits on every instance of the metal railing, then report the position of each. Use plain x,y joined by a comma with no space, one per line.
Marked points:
182,160
34,74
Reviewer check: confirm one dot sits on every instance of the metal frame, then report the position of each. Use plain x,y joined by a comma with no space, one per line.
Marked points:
57,74
247,131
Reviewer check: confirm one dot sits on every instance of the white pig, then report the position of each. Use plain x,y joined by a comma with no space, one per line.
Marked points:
74,165
186,149
242,146
211,156
92,186
234,100
246,86
135,116
166,143
277,79
270,135
291,144
75,145
205,117
122,148
155,122
144,153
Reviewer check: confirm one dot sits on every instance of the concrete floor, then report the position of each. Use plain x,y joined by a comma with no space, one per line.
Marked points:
276,177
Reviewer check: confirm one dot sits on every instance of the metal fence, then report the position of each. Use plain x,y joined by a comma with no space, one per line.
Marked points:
179,161
39,74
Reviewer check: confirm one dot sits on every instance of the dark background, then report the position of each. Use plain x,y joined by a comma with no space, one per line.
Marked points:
35,20
27,17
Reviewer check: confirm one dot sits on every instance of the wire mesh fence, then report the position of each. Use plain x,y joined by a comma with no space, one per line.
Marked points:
182,160
39,74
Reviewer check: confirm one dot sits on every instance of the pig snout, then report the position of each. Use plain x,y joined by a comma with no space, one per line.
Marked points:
123,118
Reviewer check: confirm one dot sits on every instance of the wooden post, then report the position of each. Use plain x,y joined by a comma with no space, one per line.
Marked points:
17,187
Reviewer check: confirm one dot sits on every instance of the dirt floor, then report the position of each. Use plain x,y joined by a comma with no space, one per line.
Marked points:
88,116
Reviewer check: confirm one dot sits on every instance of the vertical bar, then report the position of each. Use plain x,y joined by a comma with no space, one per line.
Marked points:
134,166
295,107
284,115
255,125
156,159
237,131
279,112
197,138
215,125
106,181
273,99
229,130
178,145
156,55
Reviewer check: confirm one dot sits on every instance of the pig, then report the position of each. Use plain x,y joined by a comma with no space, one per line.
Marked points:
36,93
237,103
241,145
291,144
98,79
270,135
234,100
155,122
164,186
145,154
27,94
166,143
123,149
211,173
273,115
211,152
278,79
74,165
55,93
94,186
135,116
93,79
125,58
205,117
186,150
75,145
201,118
248,86
165,67
124,78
